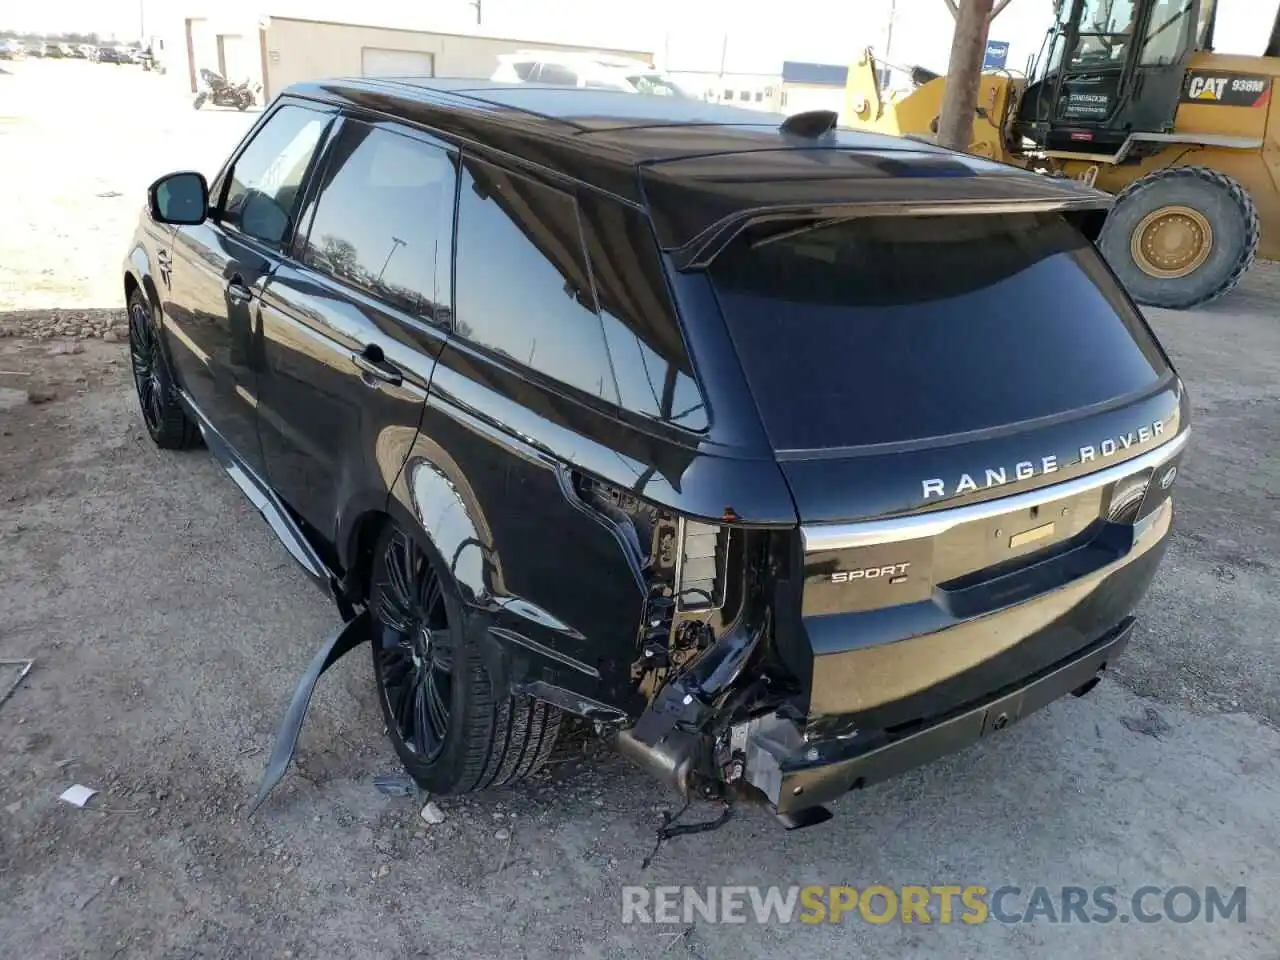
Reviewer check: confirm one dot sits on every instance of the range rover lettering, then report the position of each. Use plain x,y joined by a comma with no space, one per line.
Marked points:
789,457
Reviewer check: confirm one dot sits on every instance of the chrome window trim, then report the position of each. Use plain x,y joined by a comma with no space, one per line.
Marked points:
824,537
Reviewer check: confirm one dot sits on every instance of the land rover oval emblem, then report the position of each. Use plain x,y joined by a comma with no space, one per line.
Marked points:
1170,475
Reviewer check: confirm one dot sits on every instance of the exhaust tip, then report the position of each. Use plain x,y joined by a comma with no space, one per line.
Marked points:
1087,686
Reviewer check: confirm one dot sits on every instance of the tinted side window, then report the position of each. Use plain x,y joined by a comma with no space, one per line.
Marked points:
522,287
263,187
385,204
650,362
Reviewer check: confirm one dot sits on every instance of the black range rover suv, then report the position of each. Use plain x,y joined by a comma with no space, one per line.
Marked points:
789,456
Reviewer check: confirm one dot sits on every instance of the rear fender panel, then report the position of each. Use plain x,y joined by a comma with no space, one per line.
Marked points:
525,647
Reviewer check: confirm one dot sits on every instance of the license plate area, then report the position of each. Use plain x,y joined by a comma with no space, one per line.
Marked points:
995,541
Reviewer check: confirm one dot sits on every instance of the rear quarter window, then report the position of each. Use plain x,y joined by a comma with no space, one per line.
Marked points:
882,330
650,361
523,285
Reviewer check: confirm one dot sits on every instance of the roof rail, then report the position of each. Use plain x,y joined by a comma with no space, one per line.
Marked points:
810,124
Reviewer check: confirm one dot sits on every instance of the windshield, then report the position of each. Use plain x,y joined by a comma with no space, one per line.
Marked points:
656,83
1106,33
884,330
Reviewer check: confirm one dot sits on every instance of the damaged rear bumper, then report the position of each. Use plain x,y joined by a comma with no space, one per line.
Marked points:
795,775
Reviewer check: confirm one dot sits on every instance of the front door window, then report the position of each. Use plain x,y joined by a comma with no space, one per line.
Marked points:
264,184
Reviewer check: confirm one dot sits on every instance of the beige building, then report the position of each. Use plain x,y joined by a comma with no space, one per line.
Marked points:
797,87
277,51
758,91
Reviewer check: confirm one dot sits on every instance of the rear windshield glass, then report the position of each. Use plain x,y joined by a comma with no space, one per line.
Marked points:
883,330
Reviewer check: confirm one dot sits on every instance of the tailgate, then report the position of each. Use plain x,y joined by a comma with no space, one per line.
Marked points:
974,421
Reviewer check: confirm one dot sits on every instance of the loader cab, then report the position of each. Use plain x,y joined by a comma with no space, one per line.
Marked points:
1109,68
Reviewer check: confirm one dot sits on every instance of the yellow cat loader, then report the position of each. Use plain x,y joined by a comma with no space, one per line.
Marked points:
1128,95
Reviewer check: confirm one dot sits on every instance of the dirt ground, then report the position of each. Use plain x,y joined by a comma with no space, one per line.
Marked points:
169,627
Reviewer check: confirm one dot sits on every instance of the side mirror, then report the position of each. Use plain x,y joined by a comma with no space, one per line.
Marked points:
179,198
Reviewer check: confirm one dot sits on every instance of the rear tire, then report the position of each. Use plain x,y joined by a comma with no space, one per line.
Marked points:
162,413
1181,237
448,728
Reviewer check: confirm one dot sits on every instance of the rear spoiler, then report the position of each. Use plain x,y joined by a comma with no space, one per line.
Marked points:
700,204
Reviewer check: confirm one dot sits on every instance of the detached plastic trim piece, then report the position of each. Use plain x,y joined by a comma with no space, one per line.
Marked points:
341,642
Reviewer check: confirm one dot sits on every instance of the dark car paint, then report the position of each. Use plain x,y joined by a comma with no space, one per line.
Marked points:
480,457
312,330
1079,594
212,326
822,771
486,430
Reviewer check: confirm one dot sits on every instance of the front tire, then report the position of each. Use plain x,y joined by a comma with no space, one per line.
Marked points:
449,729
165,420
199,100
1181,237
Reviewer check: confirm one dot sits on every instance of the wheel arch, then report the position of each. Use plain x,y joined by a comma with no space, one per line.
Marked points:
433,502
138,276
357,553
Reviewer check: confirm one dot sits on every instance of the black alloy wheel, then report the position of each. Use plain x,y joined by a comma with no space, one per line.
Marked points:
453,731
166,421
414,645
143,352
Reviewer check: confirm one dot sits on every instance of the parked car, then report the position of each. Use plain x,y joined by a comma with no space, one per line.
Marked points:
782,488
596,71
54,51
12,50
35,48
116,55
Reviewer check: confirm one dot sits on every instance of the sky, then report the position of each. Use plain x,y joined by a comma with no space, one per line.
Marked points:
689,34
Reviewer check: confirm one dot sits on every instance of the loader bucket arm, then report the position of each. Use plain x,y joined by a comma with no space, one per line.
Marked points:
867,107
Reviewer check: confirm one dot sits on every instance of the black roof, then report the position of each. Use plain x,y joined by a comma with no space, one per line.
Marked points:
700,168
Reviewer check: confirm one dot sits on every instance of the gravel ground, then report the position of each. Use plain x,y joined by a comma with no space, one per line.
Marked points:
169,627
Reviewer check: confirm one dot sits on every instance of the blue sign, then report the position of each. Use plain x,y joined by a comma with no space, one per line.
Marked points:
997,55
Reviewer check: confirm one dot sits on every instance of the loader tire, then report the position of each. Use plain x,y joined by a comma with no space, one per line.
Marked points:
1181,237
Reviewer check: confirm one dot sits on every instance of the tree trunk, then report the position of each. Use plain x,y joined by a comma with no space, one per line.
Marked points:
968,48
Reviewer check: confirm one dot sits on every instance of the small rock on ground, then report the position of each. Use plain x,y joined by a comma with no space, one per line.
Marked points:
432,814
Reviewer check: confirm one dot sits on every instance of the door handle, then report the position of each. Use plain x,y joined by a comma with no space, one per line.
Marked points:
237,292
374,366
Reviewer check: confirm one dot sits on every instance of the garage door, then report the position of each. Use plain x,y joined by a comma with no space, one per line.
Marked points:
234,61
384,62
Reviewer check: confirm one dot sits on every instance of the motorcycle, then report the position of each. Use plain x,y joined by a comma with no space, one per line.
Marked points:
223,93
